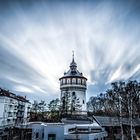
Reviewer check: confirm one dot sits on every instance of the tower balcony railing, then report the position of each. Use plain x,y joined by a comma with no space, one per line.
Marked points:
73,85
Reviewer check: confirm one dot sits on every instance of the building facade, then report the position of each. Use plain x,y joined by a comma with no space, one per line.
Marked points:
8,109
73,86
14,110
61,131
23,112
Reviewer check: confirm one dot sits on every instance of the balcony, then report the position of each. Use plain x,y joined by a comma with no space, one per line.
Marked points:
8,120
15,108
28,107
73,85
21,108
10,115
20,114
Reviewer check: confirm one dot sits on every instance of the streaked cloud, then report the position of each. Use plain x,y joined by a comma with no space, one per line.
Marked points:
37,38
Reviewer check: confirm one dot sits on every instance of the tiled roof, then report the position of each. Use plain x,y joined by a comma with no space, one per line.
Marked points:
114,121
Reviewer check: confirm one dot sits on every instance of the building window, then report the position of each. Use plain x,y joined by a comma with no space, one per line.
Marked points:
64,81
37,135
73,81
61,82
83,102
79,81
43,135
83,81
68,81
73,93
51,136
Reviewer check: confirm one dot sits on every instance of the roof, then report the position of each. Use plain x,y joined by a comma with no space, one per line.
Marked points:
114,121
77,119
73,72
9,94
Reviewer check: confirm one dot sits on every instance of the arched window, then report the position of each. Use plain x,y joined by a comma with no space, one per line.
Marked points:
79,81
68,81
73,93
61,82
73,80
64,81
83,81
83,102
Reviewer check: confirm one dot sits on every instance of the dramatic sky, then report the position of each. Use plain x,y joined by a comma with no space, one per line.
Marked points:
37,38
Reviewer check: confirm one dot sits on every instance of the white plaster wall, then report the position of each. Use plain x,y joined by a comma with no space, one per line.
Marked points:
80,94
54,129
77,136
1,114
61,132
85,136
7,105
90,136
37,128
26,113
2,110
97,135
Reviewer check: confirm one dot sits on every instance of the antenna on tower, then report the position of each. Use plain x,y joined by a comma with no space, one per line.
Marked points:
73,54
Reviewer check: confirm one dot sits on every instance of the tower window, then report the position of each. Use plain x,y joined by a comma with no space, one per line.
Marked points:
61,82
83,102
68,81
37,135
85,82
73,81
73,93
79,81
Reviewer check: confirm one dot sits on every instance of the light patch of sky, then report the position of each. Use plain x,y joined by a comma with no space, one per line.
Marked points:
44,38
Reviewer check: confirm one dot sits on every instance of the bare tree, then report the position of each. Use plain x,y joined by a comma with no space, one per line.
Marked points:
70,104
65,104
75,104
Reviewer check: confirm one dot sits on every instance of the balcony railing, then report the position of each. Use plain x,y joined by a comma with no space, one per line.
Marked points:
73,85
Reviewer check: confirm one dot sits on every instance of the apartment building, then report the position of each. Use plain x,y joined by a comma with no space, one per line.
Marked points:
23,110
14,109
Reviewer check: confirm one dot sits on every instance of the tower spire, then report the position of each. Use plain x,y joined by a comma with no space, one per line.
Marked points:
73,55
73,65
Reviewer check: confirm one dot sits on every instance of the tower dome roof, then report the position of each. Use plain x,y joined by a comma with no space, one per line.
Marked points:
73,72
